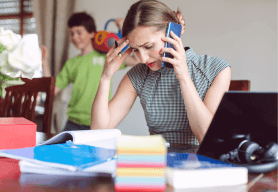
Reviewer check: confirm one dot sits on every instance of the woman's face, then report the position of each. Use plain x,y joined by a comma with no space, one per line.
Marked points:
146,44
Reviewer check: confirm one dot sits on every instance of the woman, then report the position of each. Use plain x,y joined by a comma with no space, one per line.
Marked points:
178,103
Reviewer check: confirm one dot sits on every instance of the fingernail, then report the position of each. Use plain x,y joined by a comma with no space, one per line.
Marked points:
160,50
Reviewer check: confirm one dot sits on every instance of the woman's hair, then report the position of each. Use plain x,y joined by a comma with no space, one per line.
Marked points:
149,13
82,19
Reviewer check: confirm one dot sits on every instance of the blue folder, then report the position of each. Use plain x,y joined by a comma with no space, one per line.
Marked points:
67,155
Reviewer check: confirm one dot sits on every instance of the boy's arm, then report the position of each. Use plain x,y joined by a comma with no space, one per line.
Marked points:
131,60
45,68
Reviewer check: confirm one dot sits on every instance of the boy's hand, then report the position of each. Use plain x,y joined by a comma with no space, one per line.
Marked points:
45,68
114,58
44,53
119,22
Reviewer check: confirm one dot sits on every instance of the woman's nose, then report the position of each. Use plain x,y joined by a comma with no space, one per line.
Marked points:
143,57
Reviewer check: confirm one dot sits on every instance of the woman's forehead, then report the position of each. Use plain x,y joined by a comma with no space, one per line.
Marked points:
142,34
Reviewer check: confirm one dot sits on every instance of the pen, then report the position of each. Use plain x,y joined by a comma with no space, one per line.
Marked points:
117,45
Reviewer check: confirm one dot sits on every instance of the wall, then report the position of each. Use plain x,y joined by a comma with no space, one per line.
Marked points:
243,32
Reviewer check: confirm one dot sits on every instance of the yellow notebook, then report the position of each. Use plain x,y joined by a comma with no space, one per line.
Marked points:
140,171
154,144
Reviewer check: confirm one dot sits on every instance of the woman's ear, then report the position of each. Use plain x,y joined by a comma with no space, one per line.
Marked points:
181,21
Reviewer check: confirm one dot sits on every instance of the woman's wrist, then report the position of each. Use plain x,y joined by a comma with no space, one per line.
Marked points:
104,79
184,78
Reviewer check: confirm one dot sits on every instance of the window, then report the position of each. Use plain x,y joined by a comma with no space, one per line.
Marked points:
17,15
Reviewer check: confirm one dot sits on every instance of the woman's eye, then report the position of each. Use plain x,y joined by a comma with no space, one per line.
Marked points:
149,47
135,50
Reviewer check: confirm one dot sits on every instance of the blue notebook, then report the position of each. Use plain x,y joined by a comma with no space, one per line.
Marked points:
193,161
69,156
189,170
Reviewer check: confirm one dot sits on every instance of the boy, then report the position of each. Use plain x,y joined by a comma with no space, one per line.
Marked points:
84,71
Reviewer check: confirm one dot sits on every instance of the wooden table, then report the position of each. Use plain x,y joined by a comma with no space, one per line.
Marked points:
15,181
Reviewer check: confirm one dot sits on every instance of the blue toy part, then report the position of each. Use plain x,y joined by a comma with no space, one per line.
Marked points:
119,34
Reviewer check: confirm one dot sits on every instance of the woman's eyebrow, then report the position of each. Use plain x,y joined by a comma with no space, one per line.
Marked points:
139,45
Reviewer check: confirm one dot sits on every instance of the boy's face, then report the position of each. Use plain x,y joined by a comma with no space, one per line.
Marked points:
80,37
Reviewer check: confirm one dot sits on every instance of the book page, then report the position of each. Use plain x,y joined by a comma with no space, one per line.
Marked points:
98,138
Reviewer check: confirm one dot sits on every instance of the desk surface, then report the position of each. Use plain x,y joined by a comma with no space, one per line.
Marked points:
14,181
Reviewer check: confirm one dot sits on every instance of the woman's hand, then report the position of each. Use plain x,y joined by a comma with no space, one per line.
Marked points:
114,59
179,61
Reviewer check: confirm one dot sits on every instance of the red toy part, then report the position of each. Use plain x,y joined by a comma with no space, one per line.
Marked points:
103,41
17,132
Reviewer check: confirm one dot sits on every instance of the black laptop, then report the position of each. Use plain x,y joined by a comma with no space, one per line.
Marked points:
241,115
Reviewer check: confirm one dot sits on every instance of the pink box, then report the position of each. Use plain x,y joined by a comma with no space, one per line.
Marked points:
17,132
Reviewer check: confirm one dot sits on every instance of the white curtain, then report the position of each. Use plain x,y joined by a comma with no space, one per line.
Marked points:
51,27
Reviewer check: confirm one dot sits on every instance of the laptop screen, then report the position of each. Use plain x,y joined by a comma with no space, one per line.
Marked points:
240,116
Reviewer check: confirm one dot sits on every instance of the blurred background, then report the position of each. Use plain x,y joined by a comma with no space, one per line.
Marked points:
243,32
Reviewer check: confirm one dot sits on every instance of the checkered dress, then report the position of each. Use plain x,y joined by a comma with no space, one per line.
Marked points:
161,98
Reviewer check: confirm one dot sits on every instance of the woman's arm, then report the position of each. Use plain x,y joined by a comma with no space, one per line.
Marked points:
104,115
199,113
108,115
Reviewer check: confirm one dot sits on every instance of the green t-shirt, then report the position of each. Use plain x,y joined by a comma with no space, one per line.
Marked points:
84,72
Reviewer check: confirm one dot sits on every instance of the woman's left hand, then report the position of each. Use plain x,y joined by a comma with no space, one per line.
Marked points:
179,61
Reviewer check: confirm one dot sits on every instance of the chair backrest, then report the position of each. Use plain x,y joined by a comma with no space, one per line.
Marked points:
239,85
21,100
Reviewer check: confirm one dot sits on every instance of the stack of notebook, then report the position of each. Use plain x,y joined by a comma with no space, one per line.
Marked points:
141,162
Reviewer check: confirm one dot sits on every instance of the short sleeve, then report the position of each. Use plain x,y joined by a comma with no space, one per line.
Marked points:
211,66
63,78
137,76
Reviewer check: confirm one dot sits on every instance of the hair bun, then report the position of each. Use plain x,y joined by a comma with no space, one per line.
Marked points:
180,19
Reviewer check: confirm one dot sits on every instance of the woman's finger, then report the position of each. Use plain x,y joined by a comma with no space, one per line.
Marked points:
171,51
116,45
177,38
169,60
176,44
126,54
120,47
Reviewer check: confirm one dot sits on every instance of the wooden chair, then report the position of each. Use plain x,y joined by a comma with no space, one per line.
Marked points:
21,100
239,85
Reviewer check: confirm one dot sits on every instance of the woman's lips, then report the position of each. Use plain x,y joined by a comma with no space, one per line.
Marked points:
151,64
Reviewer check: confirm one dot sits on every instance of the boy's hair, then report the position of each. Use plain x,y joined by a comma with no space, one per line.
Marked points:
82,19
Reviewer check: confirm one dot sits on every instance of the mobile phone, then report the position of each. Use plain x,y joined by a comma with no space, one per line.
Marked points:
176,28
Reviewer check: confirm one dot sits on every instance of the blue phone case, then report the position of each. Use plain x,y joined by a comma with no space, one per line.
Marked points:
176,28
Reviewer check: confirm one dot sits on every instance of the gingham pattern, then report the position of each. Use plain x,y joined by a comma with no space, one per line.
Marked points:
161,97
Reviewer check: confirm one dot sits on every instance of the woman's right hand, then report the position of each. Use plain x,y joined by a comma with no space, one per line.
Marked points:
114,59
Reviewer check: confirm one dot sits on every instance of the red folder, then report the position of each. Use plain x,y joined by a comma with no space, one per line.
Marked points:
17,132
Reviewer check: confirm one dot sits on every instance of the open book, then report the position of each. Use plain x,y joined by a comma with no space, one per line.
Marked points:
85,152
99,138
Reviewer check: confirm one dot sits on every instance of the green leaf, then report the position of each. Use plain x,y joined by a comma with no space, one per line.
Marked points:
2,48
6,81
